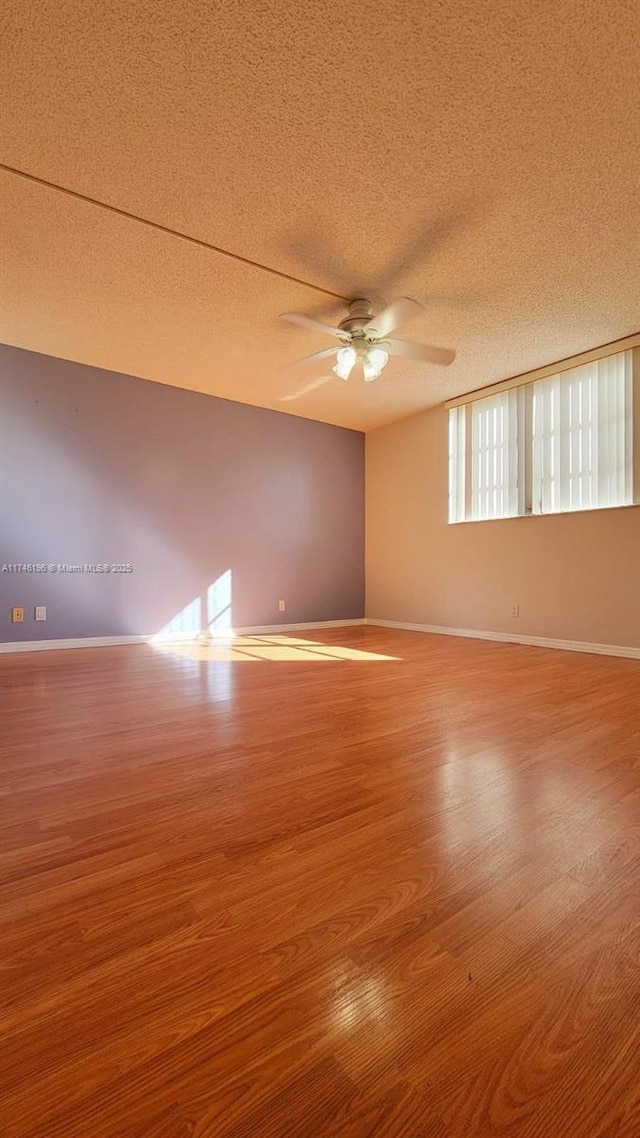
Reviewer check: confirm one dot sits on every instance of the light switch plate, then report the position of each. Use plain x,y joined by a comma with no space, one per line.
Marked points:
40,612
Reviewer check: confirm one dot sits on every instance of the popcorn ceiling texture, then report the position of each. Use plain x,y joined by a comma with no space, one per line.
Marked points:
484,158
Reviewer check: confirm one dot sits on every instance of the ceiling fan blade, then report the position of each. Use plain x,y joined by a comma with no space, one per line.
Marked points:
306,389
424,352
304,321
392,317
311,359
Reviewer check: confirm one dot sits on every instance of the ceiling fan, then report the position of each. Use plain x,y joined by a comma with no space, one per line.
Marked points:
364,340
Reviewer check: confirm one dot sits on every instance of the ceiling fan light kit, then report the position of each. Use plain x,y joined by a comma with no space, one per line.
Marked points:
346,361
373,360
364,339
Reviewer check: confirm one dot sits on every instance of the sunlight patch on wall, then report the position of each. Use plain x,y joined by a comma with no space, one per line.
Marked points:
185,624
192,624
219,609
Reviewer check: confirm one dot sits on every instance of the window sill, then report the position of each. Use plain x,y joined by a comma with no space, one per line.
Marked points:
556,514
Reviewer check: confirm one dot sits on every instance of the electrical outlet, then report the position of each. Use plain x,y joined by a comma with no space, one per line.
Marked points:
282,606
17,616
40,612
515,610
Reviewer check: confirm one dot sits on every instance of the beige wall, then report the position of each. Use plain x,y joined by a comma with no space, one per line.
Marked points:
575,576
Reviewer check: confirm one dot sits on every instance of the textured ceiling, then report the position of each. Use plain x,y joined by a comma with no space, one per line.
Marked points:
481,157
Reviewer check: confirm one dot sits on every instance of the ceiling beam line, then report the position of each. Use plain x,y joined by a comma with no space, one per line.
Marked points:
170,232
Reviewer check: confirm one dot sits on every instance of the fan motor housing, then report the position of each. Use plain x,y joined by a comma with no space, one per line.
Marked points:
360,313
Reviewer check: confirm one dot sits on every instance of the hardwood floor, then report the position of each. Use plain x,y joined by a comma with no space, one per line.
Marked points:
275,891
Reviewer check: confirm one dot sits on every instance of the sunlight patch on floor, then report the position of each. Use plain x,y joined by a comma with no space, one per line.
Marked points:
275,648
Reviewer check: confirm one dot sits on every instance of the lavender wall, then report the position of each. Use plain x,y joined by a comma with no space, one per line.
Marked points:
102,468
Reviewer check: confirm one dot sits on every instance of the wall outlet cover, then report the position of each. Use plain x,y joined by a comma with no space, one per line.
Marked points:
40,612
17,615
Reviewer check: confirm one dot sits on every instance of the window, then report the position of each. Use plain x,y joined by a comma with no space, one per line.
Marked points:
561,443
582,456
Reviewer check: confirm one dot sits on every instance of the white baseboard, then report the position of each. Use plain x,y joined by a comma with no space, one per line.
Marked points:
84,642
170,637
270,629
309,625
513,638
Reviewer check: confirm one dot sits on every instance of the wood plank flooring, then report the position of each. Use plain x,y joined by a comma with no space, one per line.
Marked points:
381,884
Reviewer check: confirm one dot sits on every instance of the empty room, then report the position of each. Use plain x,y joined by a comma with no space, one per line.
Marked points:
320,569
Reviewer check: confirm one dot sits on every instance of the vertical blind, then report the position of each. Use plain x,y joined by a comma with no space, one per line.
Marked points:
582,433
494,456
558,444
